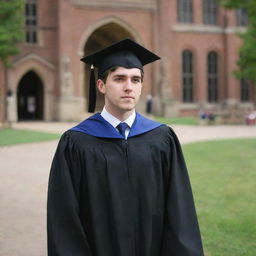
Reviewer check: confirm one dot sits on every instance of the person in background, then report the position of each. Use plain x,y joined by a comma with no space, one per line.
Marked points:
149,104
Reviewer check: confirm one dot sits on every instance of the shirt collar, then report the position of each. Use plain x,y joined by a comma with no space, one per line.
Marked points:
115,121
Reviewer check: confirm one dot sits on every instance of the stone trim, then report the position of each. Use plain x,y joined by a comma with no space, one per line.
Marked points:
188,106
45,72
149,5
206,29
235,30
106,20
35,57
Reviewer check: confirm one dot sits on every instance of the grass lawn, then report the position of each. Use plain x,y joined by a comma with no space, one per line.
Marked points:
178,120
12,136
223,176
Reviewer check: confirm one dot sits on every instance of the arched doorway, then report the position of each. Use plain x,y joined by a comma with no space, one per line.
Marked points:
100,38
30,97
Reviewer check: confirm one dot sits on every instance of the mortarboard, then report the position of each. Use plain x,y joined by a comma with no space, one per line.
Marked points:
125,53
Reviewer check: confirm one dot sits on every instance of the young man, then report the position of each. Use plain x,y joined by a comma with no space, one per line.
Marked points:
119,184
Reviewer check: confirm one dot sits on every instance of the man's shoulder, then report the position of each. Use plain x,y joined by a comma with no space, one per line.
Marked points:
162,130
74,136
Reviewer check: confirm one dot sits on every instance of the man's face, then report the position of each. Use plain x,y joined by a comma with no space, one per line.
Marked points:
122,90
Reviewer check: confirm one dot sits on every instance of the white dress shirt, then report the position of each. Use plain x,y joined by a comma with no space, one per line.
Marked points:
115,121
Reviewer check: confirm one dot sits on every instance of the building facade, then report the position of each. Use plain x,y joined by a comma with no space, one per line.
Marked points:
196,39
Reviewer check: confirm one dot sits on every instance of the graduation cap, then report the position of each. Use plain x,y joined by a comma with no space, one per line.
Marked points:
125,53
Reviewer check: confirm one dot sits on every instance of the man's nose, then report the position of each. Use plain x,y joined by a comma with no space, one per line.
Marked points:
128,84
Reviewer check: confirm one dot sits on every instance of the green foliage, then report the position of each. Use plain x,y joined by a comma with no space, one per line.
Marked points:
223,179
11,28
12,137
247,60
231,4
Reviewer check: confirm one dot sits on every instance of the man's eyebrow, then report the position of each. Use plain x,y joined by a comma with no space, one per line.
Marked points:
124,75
119,75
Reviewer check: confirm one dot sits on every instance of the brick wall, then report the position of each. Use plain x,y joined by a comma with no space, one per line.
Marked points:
65,28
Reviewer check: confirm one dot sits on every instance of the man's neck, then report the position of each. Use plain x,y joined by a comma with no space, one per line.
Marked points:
122,116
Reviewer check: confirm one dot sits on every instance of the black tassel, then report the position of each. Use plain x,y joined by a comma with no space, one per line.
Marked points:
92,92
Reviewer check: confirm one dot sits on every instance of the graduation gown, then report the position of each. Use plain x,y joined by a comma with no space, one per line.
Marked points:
109,196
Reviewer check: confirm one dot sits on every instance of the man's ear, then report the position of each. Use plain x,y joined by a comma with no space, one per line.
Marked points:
101,86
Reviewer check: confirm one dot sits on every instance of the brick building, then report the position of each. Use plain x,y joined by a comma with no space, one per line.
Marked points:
196,39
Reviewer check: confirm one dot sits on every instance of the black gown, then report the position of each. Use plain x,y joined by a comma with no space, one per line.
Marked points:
113,197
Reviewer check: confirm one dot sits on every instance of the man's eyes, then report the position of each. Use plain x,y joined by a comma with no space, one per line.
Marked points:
134,80
119,79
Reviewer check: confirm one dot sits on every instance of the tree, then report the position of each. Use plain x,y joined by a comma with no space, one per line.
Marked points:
11,28
11,34
247,52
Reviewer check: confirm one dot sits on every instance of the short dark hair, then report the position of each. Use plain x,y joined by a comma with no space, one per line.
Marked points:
104,76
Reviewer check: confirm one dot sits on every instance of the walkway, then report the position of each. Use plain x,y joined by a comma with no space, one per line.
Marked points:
24,171
185,133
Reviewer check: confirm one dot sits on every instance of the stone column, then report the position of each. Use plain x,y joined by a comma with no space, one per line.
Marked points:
70,106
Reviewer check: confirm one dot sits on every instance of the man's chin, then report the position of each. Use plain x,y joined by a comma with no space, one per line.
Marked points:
128,107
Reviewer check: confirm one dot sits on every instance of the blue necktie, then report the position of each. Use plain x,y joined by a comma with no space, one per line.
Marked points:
121,128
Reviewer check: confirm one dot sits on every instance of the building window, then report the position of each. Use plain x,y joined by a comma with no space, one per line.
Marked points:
187,76
185,11
212,77
241,17
245,90
31,21
210,12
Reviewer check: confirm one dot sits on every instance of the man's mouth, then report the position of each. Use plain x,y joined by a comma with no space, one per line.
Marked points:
127,97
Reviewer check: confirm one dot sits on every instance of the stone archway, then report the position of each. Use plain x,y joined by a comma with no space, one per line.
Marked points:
100,38
30,98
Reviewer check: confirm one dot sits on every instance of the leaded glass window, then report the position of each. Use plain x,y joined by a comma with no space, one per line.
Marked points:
212,77
210,10
187,76
241,17
245,90
185,11
31,21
